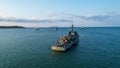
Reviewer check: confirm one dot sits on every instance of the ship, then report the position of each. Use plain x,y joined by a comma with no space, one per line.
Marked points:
36,28
82,27
67,41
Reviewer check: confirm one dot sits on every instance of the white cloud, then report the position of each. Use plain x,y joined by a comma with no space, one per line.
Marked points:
63,20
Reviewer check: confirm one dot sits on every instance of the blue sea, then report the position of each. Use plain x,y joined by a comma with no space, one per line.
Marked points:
98,47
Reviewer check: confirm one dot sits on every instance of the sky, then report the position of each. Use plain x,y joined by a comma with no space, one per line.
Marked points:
46,13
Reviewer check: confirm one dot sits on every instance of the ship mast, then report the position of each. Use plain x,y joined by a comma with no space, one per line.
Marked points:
72,26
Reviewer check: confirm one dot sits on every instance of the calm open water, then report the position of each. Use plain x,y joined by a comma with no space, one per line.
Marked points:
29,48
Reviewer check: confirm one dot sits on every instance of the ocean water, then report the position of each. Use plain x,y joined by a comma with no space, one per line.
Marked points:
30,48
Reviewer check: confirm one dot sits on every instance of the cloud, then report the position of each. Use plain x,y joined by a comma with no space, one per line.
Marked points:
19,20
99,18
61,19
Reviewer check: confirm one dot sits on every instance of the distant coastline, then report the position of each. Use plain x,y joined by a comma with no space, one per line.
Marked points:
11,27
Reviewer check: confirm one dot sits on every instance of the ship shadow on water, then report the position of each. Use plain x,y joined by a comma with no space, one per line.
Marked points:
56,56
73,48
